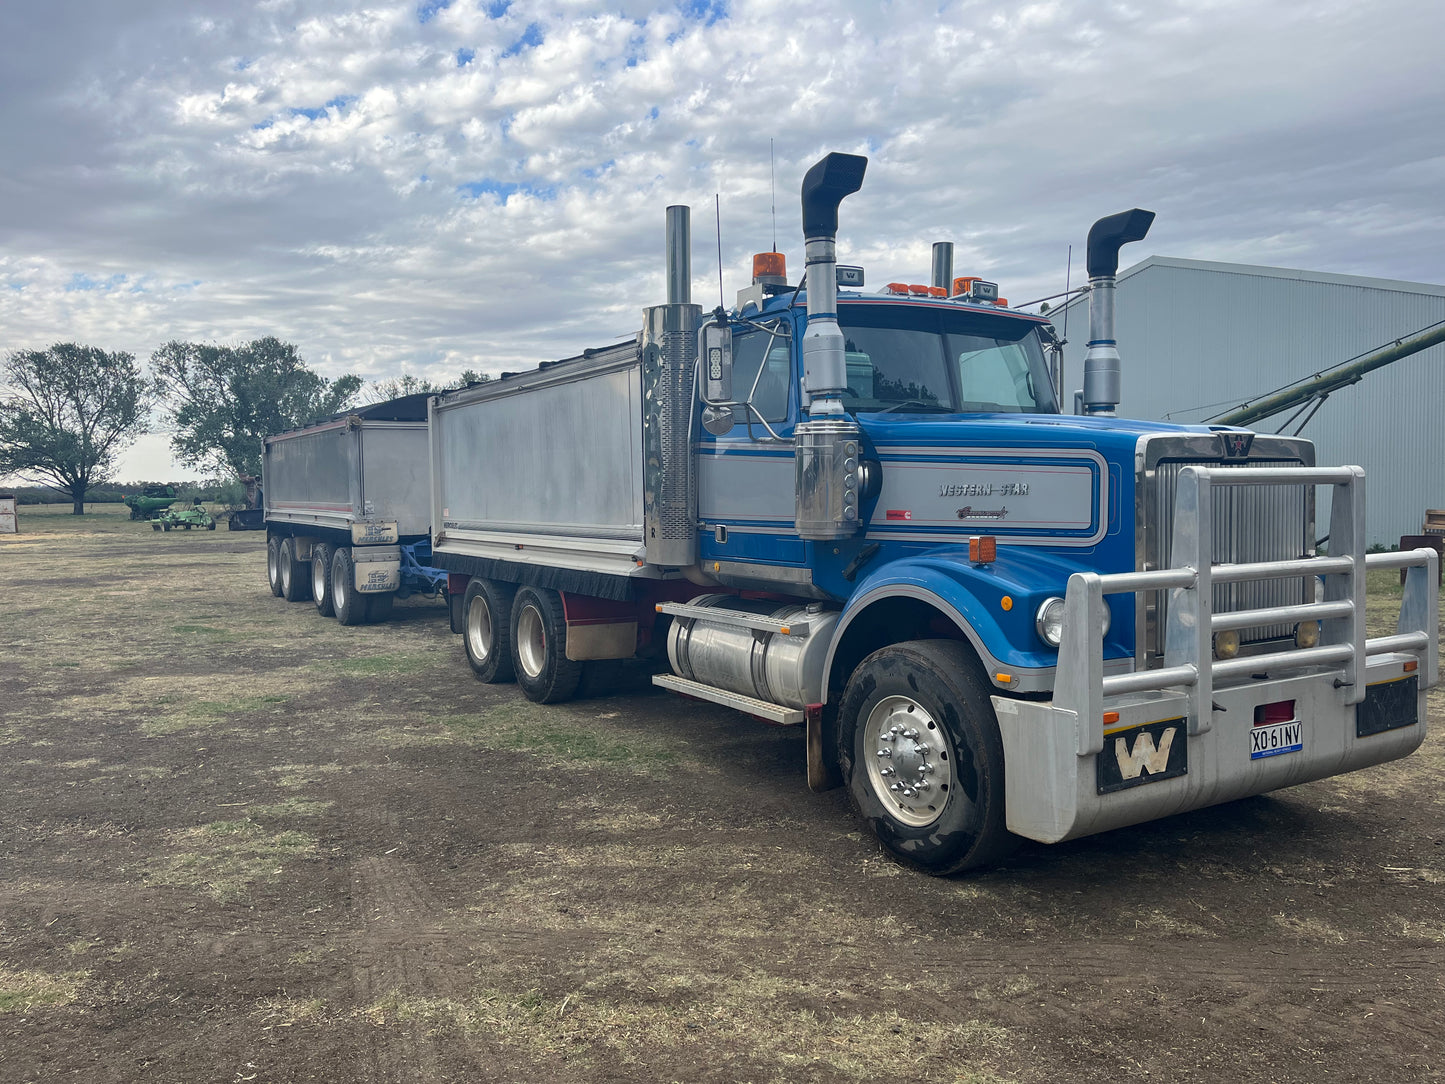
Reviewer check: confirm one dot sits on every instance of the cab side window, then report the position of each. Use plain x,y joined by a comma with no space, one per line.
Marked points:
771,397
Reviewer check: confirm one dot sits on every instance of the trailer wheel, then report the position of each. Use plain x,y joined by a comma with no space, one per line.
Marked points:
378,607
321,579
273,563
155,525
348,603
539,647
211,526
295,584
487,629
920,749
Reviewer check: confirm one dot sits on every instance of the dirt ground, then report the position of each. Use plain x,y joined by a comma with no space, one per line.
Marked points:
239,842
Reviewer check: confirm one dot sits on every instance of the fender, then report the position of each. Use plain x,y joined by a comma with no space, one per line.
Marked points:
974,597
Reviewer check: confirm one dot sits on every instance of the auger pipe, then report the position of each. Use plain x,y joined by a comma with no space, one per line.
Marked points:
1332,379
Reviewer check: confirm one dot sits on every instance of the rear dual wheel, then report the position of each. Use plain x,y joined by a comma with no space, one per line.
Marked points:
295,575
273,563
347,602
539,647
321,578
487,629
920,749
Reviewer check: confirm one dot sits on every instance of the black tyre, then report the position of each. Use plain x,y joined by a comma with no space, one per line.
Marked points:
920,751
211,526
273,564
295,576
347,602
539,647
487,629
321,578
155,526
165,526
378,607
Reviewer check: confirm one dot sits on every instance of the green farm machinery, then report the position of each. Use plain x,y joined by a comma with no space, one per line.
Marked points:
192,516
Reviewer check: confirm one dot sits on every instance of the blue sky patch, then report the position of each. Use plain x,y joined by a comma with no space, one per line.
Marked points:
263,124
80,282
497,8
465,57
426,10
503,190
530,39
652,113
706,12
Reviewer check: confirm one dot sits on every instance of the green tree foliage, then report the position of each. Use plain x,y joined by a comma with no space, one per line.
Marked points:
382,391
222,401
68,413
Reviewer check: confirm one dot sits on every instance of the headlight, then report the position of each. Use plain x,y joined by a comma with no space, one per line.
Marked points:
1049,621
1226,644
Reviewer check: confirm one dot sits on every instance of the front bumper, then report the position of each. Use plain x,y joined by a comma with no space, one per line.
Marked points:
1054,792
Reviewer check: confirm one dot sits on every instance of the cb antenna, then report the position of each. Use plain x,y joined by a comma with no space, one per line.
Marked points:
1068,271
773,193
717,209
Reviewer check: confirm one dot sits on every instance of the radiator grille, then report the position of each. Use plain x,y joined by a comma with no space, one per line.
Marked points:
1251,523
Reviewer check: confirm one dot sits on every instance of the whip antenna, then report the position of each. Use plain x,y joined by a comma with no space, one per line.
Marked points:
717,209
773,193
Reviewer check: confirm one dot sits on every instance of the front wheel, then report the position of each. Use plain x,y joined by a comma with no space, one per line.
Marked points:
920,749
539,647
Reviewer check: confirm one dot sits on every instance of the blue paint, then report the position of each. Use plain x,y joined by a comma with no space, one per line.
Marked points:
530,39
465,57
937,565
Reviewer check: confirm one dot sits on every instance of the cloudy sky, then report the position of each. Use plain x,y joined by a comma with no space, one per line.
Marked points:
430,186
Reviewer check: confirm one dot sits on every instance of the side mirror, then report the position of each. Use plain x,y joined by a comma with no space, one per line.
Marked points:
718,420
717,363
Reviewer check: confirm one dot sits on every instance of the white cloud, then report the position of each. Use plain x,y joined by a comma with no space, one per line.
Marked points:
389,192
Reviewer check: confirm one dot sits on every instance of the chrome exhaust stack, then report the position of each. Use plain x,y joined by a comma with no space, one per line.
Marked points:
826,446
669,357
1102,382
943,265
824,373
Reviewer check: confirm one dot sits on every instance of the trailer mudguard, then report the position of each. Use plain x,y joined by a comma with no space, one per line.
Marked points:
993,605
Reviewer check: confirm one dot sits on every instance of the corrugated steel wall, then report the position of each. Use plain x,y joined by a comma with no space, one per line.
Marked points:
1198,339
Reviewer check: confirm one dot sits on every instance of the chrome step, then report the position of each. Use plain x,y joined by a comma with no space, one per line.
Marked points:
773,713
741,619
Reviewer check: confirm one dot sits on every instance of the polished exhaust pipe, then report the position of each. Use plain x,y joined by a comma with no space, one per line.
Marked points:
1102,383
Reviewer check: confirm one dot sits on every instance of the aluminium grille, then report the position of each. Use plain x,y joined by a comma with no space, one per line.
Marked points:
1251,523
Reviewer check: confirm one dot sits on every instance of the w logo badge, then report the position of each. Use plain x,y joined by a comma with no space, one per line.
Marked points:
1236,445
1143,754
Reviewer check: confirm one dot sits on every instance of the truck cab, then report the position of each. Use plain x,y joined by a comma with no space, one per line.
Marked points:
866,514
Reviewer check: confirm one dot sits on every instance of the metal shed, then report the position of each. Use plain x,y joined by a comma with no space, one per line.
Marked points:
1198,338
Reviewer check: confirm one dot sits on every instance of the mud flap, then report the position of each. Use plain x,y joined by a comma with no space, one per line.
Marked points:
823,773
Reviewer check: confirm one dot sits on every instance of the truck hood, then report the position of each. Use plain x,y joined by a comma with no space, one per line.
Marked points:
1118,436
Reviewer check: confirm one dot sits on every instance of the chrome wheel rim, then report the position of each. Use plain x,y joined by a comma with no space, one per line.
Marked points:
531,641
285,555
479,628
319,575
909,759
273,564
339,586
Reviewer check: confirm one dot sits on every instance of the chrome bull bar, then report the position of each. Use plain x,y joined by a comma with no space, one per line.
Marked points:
1189,664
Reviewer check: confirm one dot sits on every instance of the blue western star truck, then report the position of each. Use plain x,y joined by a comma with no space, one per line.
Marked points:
865,514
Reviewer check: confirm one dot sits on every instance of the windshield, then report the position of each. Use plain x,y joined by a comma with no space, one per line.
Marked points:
931,360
